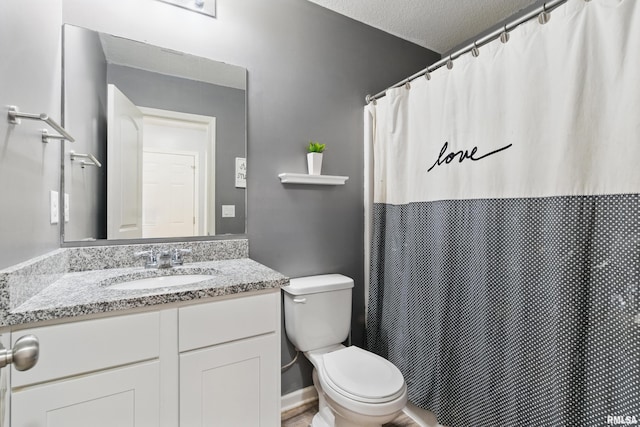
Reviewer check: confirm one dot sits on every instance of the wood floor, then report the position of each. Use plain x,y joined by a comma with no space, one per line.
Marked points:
302,415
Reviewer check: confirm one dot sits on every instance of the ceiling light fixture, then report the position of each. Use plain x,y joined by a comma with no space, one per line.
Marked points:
205,7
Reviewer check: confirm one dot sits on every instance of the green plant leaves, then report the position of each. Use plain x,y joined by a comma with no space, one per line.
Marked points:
316,147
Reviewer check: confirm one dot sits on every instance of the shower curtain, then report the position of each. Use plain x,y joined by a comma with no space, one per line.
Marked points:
505,226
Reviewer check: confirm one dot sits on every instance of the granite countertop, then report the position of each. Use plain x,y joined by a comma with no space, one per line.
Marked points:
88,292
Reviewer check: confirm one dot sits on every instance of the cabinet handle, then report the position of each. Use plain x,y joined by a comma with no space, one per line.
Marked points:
300,300
23,355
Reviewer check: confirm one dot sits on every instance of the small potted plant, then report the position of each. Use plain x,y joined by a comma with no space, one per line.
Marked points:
314,157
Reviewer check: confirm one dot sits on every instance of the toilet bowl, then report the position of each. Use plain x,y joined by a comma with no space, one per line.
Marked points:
361,388
355,387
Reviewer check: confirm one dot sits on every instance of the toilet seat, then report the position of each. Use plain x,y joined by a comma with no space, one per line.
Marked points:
362,376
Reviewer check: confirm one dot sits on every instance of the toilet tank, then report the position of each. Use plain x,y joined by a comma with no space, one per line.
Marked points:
317,310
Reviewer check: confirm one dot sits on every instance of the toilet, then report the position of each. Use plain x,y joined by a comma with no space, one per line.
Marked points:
355,387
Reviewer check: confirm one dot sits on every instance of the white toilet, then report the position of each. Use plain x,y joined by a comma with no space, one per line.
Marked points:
355,387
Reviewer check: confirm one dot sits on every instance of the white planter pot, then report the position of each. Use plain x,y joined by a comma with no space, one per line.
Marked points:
314,163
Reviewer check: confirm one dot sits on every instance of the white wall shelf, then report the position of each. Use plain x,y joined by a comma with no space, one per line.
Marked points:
303,178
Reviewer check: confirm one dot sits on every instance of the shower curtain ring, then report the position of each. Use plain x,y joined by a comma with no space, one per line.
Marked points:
427,75
504,36
450,62
407,85
544,16
475,51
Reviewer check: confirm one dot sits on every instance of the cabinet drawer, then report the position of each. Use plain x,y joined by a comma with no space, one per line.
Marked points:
86,346
228,320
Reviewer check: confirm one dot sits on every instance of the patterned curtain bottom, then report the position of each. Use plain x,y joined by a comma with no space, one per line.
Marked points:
511,312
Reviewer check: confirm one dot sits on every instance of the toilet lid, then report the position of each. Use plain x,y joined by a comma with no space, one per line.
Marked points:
362,375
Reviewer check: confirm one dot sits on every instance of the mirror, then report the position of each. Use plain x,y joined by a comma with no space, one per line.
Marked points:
160,141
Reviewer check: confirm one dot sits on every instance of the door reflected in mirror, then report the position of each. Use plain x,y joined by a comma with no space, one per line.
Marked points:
169,129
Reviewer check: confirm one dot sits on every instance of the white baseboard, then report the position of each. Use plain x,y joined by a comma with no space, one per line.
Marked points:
298,397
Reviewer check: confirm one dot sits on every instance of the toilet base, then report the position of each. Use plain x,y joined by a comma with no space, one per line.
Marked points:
331,414
319,420
324,417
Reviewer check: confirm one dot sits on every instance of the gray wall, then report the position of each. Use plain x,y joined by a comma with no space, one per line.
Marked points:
309,70
85,117
29,78
227,105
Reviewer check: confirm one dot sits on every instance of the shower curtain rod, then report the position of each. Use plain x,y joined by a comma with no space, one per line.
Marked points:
448,60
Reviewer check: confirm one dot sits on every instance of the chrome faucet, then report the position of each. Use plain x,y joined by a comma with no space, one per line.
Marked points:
151,261
163,259
177,256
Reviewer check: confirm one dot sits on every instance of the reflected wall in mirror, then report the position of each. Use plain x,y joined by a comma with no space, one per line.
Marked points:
167,128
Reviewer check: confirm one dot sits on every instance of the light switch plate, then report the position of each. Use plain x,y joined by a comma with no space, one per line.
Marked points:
66,207
228,211
54,208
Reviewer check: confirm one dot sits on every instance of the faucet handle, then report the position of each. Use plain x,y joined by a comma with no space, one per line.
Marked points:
151,260
178,254
143,254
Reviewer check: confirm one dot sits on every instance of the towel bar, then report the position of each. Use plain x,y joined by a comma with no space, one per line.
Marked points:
15,115
91,157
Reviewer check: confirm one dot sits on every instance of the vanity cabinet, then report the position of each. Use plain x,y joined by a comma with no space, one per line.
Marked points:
229,363
102,372
207,364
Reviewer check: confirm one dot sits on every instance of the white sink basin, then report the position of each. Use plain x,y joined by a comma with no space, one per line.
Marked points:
161,282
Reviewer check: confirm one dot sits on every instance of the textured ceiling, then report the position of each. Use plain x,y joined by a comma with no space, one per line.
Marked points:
439,25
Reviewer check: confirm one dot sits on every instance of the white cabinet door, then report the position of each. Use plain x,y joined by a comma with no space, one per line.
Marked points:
233,384
124,397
